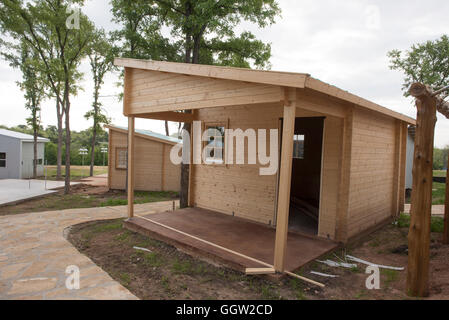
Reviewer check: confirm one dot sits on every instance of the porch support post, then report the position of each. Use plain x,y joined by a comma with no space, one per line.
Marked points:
283,206
130,167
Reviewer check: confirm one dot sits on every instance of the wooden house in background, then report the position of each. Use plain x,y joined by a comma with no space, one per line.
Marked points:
342,158
153,168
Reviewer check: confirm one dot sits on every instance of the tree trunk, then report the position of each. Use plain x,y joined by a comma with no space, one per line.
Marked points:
188,57
185,172
60,138
167,130
92,156
34,145
94,134
196,50
67,141
421,204
185,168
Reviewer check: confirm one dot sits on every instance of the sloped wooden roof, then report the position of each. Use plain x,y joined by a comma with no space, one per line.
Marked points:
146,134
276,78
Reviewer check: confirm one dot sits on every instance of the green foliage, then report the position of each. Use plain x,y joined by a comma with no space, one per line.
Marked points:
140,36
426,63
101,57
438,193
436,225
201,31
440,157
45,27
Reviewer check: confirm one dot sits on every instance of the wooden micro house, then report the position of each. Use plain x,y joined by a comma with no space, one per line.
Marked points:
153,168
342,158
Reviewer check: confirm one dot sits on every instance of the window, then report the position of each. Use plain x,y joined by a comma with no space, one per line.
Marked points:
121,159
214,146
2,160
298,146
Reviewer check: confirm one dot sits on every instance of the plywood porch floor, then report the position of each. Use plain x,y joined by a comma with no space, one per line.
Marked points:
245,237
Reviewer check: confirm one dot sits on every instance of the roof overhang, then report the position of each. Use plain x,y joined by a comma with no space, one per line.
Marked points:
275,78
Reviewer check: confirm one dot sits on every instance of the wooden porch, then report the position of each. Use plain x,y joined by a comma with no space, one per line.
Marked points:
239,99
247,238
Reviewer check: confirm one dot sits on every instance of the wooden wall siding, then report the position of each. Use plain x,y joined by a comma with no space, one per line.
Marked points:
154,91
330,182
150,162
239,189
372,171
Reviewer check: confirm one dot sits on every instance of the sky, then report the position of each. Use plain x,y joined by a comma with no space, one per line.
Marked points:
344,43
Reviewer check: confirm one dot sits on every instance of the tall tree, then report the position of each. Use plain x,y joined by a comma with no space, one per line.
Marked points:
60,35
205,30
25,59
101,57
201,32
140,36
425,63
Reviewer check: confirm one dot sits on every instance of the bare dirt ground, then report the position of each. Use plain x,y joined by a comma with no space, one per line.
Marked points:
167,273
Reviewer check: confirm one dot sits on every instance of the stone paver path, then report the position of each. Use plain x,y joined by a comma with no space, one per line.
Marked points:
34,255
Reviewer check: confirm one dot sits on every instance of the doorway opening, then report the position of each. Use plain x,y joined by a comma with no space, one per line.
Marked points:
306,175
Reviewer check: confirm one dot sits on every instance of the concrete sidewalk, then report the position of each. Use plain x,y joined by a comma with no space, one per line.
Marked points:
16,190
437,210
34,255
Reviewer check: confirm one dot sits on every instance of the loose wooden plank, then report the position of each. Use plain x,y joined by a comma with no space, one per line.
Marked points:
257,271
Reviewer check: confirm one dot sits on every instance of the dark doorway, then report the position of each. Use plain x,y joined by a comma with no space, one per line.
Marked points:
306,175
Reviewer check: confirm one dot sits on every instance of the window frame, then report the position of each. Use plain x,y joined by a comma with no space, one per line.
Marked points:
303,147
117,157
206,126
3,160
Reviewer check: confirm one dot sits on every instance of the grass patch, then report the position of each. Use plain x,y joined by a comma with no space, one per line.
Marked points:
438,190
188,267
390,275
439,173
88,234
361,295
76,172
298,287
436,224
438,193
85,196
141,198
153,259
125,278
269,292
113,225
114,203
